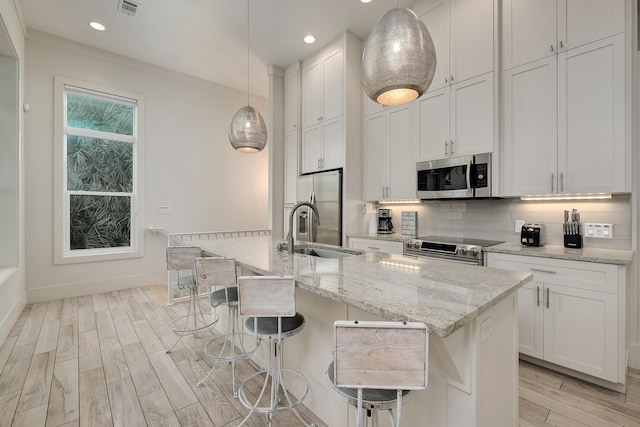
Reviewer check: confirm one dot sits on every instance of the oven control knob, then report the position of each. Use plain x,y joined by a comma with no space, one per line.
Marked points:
462,251
473,252
416,245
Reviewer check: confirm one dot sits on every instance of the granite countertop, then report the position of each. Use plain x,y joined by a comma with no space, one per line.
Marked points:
394,237
605,256
443,295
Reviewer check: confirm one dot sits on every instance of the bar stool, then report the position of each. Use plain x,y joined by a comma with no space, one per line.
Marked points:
378,364
219,274
271,303
181,260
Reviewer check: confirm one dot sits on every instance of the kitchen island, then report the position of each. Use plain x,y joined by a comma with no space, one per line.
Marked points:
470,312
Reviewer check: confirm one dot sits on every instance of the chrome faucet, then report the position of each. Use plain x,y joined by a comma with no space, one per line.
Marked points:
293,211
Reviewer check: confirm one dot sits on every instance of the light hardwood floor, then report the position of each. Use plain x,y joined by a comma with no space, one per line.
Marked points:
99,360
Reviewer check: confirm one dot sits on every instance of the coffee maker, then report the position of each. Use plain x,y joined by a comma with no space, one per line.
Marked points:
385,226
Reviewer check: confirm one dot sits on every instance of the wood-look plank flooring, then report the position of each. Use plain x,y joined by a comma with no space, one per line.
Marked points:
99,360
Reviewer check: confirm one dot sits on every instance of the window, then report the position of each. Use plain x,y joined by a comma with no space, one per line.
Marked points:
98,148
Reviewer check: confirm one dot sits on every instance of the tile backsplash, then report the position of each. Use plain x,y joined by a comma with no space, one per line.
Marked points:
494,219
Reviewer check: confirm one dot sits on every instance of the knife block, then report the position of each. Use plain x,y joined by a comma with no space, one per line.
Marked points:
573,241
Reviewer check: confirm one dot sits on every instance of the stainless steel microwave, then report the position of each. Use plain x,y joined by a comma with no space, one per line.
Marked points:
455,178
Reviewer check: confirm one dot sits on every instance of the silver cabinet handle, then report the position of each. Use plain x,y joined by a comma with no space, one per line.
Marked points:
539,270
373,247
551,48
446,80
451,78
561,183
547,297
451,146
538,296
552,179
561,44
446,151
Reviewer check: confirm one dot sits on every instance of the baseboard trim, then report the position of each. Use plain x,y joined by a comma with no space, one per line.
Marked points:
7,322
49,293
634,356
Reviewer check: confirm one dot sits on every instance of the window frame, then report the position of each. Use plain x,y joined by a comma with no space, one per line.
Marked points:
62,251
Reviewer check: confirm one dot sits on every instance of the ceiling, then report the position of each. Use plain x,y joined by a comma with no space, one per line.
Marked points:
208,38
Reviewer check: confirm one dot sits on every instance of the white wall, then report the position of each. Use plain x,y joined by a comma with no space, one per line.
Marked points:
12,281
188,162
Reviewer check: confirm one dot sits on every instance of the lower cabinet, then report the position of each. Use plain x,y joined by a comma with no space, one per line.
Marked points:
376,245
572,314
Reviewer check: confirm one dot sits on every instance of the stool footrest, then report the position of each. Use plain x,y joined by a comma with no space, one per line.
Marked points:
278,408
228,353
187,327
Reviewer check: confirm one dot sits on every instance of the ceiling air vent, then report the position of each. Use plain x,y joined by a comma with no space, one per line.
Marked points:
128,6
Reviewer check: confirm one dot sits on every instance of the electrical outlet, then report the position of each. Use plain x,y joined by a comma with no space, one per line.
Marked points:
519,224
598,231
164,209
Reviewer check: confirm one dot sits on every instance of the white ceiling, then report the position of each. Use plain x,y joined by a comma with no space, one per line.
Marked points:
208,38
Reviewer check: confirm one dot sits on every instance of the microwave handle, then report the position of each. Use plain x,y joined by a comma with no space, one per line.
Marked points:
469,175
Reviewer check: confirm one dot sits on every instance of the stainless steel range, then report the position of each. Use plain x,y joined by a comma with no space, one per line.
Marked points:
457,249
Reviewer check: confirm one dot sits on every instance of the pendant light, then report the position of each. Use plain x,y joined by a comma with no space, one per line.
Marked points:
247,132
399,59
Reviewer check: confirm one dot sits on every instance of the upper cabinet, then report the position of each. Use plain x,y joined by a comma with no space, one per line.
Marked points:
456,116
389,151
463,35
564,106
292,98
330,86
323,86
534,29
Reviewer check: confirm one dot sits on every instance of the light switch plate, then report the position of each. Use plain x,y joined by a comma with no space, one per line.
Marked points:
598,231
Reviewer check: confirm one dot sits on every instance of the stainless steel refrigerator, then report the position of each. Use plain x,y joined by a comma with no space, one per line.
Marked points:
324,190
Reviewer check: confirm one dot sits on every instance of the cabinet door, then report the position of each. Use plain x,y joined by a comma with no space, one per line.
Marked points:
402,152
591,117
471,41
585,21
530,128
472,116
374,156
436,18
291,96
311,148
290,166
311,92
581,330
530,321
433,122
333,143
332,85
529,31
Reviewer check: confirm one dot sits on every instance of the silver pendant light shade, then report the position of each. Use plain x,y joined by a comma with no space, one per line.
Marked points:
248,132
399,59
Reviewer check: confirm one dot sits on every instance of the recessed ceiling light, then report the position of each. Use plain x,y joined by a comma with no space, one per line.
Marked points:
309,39
97,26
365,1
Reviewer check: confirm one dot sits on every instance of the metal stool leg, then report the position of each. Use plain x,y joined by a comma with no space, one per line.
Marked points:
274,371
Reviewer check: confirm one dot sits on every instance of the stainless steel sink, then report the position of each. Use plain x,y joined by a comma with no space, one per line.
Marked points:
323,253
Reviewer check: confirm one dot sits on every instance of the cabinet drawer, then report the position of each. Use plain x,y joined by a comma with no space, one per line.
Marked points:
376,245
575,274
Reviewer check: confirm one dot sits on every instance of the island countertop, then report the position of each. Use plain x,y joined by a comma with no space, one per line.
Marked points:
444,295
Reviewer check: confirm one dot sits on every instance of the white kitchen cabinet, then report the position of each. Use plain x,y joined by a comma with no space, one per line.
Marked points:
386,246
292,98
323,146
290,167
534,29
559,137
389,151
572,314
323,86
457,120
462,32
